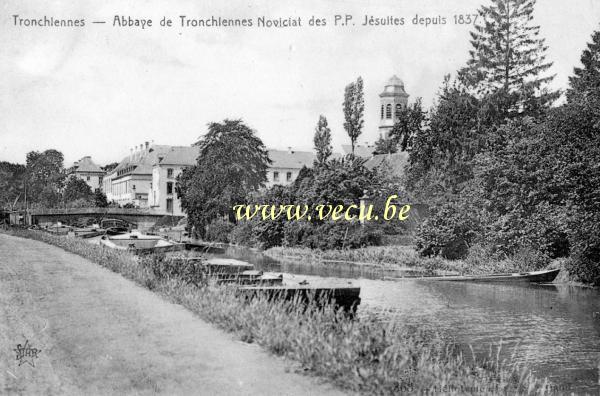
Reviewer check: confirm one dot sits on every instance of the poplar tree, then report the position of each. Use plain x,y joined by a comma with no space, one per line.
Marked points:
322,140
508,59
354,108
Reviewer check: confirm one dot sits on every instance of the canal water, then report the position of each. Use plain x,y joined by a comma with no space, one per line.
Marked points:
554,330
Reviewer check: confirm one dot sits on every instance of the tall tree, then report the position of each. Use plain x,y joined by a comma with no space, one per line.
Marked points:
12,184
408,124
509,56
587,78
354,108
77,189
322,140
45,176
231,165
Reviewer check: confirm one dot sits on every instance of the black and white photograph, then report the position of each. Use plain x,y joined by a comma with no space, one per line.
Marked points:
300,197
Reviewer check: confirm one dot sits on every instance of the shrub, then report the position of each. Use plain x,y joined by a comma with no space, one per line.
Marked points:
218,231
331,235
242,234
585,240
449,232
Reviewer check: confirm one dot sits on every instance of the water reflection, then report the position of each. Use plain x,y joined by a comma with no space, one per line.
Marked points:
551,328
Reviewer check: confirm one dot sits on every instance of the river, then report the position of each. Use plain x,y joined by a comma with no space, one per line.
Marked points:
554,329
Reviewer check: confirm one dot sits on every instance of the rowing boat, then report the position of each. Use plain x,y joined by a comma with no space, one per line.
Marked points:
543,276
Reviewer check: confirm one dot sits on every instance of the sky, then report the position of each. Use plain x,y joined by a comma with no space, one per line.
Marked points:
102,89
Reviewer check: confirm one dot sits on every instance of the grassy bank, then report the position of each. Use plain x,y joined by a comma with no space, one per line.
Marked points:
366,354
405,257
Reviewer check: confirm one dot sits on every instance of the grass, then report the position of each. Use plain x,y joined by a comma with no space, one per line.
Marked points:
366,354
405,257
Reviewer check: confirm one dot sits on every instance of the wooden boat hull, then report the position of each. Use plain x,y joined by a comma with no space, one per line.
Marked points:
544,276
345,298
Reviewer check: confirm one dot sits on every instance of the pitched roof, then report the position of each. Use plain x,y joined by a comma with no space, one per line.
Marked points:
395,163
140,162
85,165
359,151
291,159
180,155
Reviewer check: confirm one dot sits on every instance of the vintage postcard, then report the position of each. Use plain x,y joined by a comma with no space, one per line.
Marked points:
295,197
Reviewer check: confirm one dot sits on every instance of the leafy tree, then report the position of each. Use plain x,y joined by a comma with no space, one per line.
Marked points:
508,56
45,176
354,108
76,189
440,157
231,165
339,181
100,199
587,78
12,184
385,146
322,140
408,124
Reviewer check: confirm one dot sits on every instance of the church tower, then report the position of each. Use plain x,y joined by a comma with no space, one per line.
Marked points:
392,99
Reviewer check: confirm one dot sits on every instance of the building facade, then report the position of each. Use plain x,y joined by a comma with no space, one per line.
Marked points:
286,164
392,100
130,182
163,197
86,170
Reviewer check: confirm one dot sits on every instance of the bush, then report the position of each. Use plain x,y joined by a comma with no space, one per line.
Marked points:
242,234
585,240
448,232
331,235
218,231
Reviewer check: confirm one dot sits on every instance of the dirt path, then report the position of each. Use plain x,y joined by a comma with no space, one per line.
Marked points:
101,334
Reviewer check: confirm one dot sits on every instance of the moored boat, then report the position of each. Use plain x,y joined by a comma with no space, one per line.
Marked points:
140,243
543,276
346,298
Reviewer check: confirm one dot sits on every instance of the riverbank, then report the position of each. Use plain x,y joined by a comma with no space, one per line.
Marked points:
364,355
405,258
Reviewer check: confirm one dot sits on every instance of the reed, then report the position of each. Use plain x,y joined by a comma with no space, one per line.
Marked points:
366,354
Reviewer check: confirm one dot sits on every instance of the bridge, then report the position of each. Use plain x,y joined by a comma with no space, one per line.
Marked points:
142,218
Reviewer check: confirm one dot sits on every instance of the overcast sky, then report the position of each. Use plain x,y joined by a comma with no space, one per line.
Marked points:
100,90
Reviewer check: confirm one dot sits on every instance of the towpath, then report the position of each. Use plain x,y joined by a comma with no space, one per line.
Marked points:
101,334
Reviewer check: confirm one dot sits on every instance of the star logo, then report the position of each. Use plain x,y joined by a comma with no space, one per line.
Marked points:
26,353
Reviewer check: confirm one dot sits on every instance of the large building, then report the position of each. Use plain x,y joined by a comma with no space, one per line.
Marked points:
393,99
86,170
130,182
166,168
286,164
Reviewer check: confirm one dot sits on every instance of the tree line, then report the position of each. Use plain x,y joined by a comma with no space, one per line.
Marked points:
503,168
42,182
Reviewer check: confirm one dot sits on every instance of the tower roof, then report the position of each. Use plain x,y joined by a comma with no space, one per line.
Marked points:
394,87
394,80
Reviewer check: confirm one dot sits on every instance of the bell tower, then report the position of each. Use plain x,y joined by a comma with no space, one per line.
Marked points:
392,100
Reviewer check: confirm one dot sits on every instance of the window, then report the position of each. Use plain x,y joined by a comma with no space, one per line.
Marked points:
288,176
169,187
382,111
87,178
170,173
275,176
170,205
388,111
398,110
